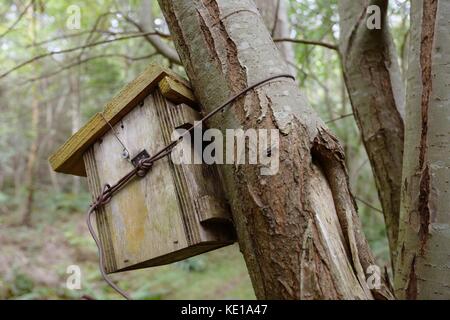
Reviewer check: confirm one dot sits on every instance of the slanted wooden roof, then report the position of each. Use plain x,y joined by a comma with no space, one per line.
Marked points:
68,158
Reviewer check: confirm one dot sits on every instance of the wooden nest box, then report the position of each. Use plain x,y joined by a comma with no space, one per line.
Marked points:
174,211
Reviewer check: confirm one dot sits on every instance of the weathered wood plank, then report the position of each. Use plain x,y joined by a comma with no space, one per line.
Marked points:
153,220
68,158
145,215
103,225
199,183
177,92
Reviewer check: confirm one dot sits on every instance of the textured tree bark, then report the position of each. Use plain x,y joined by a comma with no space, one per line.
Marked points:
423,268
298,229
375,88
275,16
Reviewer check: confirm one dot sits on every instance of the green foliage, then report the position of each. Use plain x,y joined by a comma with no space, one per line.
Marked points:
75,239
22,285
67,202
145,293
3,198
195,264
19,286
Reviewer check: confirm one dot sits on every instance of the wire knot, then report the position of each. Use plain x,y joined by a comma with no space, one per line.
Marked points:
104,197
143,166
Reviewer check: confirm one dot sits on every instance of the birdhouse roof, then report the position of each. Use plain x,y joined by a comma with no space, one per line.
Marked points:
68,158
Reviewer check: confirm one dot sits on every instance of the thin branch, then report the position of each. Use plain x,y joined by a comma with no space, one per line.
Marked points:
277,12
89,45
368,204
139,27
308,42
339,118
94,29
79,62
162,48
79,34
18,19
361,166
8,5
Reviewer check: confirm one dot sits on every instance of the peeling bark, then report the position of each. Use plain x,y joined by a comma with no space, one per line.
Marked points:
423,267
298,229
375,88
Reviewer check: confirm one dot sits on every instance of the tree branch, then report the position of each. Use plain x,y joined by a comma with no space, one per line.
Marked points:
79,62
146,25
51,53
308,42
17,20
339,118
275,22
371,206
79,34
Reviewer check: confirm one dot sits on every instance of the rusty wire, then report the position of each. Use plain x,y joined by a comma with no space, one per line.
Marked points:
116,136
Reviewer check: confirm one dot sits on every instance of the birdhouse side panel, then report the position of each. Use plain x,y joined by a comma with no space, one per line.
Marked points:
103,224
144,219
205,207
204,182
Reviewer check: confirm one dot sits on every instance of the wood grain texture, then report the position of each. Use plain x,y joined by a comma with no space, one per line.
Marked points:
102,220
155,219
177,92
201,182
68,157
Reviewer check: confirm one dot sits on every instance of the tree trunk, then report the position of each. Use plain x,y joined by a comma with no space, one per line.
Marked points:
423,270
146,24
76,114
375,88
27,207
275,16
303,241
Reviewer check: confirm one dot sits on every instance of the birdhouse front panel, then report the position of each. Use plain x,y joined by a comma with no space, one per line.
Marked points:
173,212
